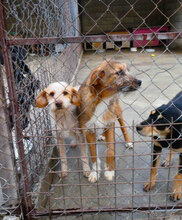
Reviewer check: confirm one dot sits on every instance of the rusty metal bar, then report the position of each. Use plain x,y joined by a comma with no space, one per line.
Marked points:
83,129
95,38
148,168
95,210
133,165
115,180
14,105
100,184
108,197
68,25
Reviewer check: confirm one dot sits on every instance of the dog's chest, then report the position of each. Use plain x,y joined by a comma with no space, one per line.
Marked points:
99,118
66,124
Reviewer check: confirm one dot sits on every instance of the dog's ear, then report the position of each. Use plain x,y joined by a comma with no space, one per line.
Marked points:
41,101
96,75
124,67
76,98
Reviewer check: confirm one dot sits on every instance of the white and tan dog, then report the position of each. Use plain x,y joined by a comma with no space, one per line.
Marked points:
62,100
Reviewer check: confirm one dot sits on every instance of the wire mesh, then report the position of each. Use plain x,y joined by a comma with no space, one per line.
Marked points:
54,41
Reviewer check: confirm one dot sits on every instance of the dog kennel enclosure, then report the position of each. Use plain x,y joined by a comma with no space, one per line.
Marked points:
63,41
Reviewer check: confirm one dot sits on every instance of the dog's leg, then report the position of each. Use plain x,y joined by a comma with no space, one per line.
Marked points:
79,139
84,156
62,151
95,173
169,159
127,138
73,143
176,189
110,155
154,170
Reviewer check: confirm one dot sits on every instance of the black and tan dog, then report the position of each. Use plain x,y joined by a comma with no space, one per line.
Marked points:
164,125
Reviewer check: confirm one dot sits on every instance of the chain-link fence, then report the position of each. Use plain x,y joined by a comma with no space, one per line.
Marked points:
93,70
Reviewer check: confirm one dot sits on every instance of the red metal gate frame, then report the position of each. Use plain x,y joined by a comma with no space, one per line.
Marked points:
14,104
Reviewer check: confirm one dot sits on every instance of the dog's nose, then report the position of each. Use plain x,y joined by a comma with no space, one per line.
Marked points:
59,105
138,128
138,82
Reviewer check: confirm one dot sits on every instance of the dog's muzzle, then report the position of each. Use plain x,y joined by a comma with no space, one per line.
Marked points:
134,85
139,128
59,105
138,82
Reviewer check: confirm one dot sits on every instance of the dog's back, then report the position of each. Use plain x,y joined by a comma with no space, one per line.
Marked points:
173,109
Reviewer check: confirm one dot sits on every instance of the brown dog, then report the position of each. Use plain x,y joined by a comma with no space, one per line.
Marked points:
100,107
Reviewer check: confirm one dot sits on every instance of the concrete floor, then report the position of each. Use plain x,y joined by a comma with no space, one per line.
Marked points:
162,79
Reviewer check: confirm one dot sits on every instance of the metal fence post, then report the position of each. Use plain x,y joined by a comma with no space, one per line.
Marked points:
14,105
9,187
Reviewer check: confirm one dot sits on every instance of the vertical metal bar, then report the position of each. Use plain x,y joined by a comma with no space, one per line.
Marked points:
15,111
169,168
79,177
151,161
7,146
67,21
97,171
133,170
60,172
115,181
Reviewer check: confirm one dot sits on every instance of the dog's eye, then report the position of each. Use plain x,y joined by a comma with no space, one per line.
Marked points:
65,93
119,73
51,94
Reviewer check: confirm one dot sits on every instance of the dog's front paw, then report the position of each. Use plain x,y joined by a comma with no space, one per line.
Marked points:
94,176
109,175
86,170
129,145
86,173
176,189
167,163
175,194
101,138
149,185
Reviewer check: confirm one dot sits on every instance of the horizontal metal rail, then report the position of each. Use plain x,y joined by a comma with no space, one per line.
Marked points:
74,211
95,38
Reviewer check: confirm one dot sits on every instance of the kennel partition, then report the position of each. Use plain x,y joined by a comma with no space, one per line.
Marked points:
36,191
